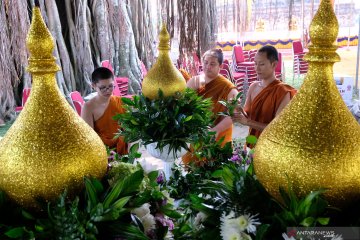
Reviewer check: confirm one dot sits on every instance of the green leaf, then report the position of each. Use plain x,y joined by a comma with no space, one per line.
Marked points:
217,173
91,192
261,231
188,118
127,101
307,222
121,202
228,177
15,232
251,139
27,215
323,221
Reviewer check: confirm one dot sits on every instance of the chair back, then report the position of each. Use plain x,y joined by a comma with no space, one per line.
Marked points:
76,96
225,73
123,85
116,91
278,68
238,54
25,96
297,47
107,64
78,107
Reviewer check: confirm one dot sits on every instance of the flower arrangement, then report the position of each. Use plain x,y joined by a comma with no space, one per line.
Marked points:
175,121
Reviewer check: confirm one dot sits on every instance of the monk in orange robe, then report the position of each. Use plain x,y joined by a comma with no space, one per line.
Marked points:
100,110
266,98
213,85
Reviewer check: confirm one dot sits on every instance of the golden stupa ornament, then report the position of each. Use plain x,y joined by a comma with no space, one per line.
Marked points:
163,75
49,148
315,142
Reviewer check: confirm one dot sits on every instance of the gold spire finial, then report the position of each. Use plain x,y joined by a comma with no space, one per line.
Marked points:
41,45
314,142
324,29
164,38
163,74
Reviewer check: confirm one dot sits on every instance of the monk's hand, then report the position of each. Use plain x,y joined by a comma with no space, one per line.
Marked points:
240,118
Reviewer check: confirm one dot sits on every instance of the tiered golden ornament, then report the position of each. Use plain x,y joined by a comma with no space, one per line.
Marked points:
315,142
163,75
49,148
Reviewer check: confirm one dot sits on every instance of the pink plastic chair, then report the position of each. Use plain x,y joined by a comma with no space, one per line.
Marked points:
25,96
78,101
107,64
123,84
300,66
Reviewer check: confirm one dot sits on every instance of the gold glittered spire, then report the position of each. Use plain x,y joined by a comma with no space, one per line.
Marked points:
41,45
164,39
49,148
314,142
163,75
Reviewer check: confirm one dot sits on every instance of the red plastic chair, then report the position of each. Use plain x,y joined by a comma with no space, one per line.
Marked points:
300,66
77,100
123,84
107,64
25,96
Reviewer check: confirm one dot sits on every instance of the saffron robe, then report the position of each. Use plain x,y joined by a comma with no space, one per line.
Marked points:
264,106
218,90
106,127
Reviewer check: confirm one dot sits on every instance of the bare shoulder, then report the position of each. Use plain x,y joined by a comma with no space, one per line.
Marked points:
89,105
254,85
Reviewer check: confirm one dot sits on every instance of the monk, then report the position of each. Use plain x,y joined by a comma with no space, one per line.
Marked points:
213,85
266,98
100,110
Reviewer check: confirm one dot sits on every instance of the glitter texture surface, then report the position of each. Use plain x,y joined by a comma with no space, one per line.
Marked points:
315,142
163,75
49,148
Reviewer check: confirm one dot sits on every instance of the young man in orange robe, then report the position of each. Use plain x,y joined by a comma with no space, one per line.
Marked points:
100,110
266,98
213,85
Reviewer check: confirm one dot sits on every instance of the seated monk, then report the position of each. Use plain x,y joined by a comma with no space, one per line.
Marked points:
213,85
266,98
100,110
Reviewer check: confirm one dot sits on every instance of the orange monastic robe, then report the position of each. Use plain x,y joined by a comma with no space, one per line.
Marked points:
218,90
264,106
106,127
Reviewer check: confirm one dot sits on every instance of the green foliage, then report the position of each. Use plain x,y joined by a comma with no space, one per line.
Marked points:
302,212
83,218
206,148
231,105
175,121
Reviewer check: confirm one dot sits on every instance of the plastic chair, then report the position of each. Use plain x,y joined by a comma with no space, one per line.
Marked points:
300,66
25,96
107,64
77,100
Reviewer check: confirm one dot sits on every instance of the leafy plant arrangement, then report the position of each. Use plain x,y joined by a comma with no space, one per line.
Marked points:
99,212
174,121
215,154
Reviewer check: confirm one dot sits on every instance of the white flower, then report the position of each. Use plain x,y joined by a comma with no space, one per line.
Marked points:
148,222
245,222
168,198
200,218
142,211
